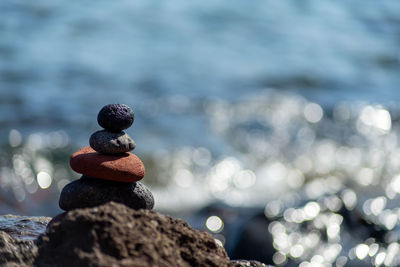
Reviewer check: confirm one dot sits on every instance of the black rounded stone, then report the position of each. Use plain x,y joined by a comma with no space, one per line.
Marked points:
90,192
115,117
106,142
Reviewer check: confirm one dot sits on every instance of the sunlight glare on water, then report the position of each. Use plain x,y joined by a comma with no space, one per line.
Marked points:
285,107
44,179
313,112
214,224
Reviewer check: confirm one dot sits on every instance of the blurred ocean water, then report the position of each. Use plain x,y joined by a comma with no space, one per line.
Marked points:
284,105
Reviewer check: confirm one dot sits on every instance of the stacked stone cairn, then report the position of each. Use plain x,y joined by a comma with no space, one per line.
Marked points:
109,171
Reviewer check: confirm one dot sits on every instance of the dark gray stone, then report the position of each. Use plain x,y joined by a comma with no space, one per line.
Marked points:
111,143
115,117
90,192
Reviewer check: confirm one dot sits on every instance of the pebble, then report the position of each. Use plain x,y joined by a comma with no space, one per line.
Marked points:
125,167
111,143
115,117
90,192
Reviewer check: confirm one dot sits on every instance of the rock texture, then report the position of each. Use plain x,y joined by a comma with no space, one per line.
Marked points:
109,235
111,143
23,227
125,167
17,235
89,192
15,252
115,117
115,235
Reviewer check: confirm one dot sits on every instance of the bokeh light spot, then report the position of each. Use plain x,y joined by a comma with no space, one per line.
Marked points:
279,258
244,179
44,179
14,138
214,224
311,209
313,112
361,251
219,242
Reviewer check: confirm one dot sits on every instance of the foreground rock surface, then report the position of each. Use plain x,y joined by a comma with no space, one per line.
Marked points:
17,233
115,235
16,252
109,235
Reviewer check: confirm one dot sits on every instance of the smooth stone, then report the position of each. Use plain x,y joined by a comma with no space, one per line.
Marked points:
115,117
111,143
125,167
90,192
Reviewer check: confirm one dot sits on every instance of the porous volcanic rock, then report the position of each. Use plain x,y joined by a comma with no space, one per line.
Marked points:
115,117
125,167
115,235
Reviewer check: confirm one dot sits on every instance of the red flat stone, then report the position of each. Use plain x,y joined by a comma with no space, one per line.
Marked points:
125,167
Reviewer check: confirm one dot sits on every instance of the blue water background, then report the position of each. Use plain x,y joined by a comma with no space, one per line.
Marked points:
60,62
291,106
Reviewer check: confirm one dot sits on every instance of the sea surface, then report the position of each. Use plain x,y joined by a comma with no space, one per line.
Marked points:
288,106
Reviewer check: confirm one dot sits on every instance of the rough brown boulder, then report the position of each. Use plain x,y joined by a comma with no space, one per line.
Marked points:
115,235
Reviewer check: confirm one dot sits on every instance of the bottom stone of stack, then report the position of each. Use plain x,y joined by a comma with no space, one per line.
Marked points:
89,192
